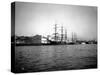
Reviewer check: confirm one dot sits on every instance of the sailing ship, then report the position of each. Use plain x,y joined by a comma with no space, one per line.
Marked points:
58,38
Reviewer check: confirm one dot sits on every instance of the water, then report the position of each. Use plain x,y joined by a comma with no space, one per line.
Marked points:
57,57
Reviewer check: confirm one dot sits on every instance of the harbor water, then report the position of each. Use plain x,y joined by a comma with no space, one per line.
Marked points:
55,57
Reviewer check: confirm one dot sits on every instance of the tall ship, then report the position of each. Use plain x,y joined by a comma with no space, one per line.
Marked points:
57,38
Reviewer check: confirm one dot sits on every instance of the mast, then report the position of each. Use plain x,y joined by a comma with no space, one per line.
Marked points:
65,35
61,33
55,34
72,37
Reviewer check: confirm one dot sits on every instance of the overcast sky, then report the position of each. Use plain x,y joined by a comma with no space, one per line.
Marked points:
39,18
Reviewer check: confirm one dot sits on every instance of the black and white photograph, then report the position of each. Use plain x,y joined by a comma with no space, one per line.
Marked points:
53,37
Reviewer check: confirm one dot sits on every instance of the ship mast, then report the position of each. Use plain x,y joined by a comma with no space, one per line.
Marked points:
61,33
72,37
55,34
65,35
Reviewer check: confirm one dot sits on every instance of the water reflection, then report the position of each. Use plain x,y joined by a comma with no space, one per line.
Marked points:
60,57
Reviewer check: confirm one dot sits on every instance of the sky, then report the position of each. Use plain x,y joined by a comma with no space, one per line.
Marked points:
39,18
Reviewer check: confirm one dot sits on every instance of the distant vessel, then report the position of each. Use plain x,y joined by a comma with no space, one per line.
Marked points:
62,39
